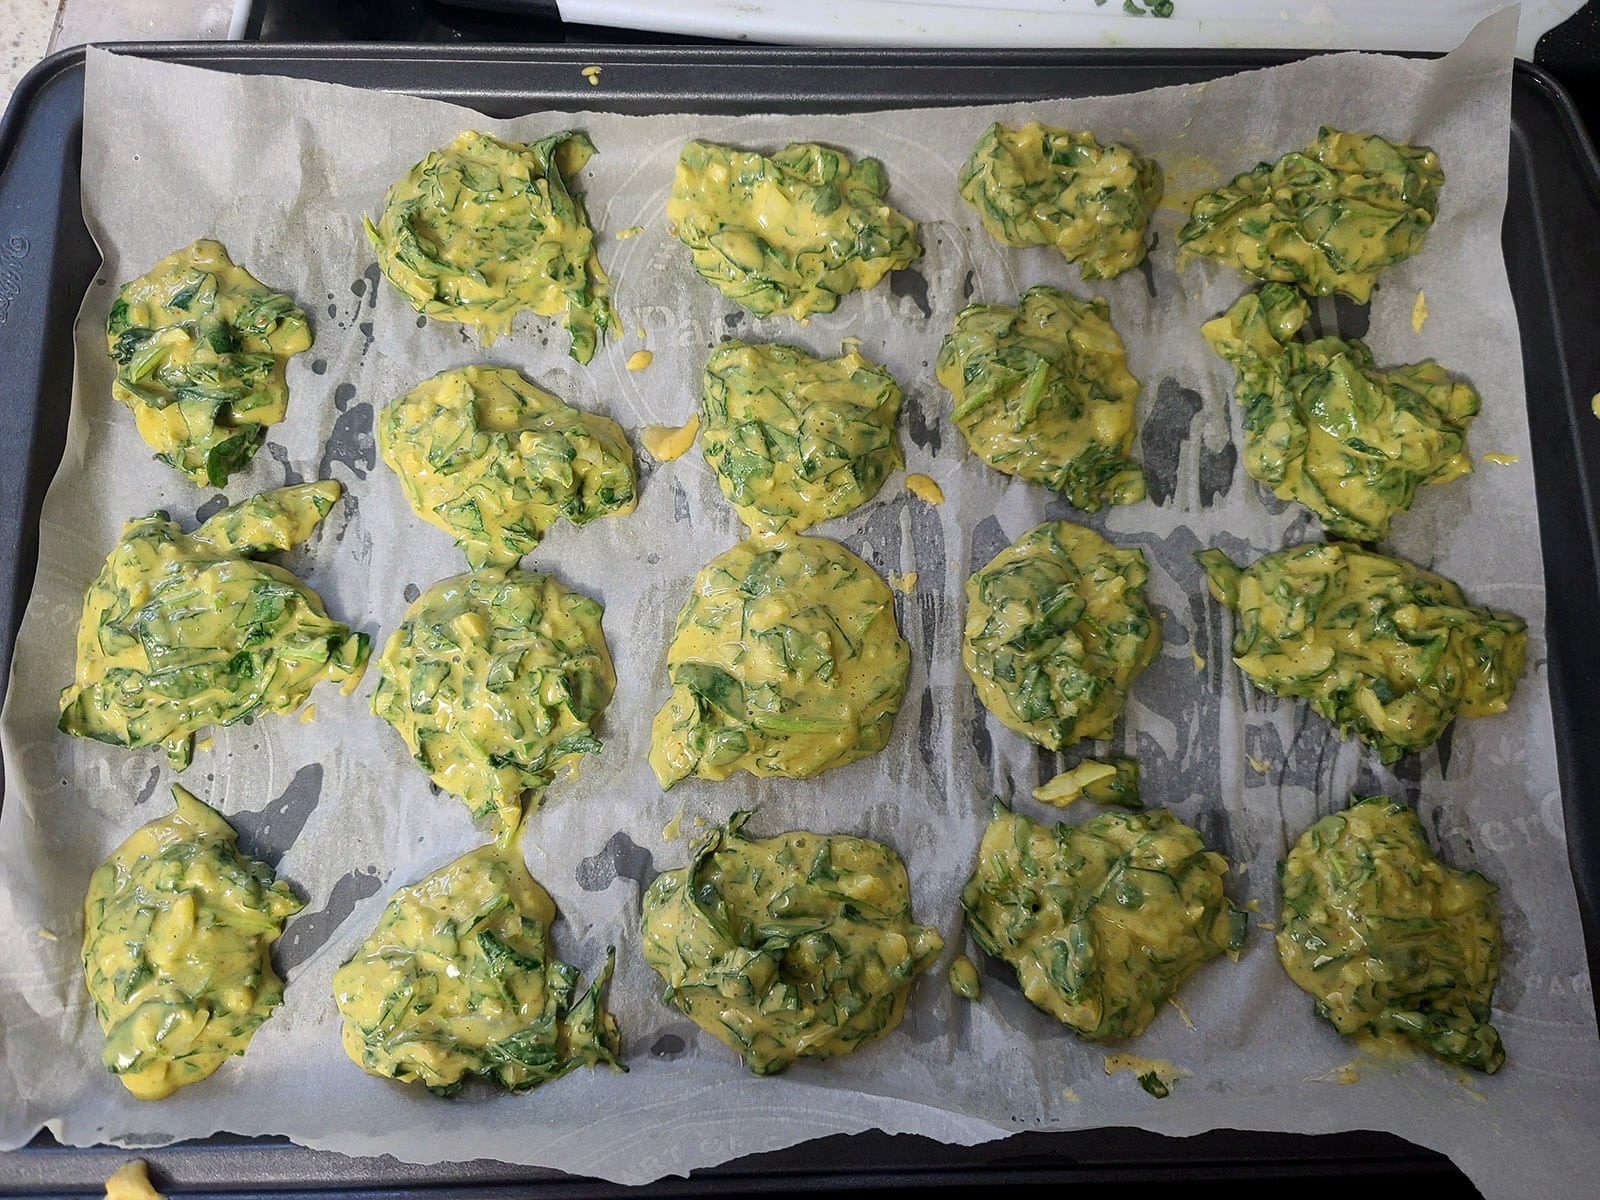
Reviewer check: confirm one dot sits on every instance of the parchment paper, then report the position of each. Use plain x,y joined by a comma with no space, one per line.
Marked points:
281,172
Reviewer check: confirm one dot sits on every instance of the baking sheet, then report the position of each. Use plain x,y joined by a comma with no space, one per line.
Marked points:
281,171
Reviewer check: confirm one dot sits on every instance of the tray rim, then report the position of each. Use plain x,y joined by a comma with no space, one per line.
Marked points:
218,1154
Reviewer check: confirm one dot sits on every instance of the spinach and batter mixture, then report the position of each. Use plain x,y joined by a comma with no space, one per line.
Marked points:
790,946
200,346
785,660
459,979
177,932
1057,630
1324,425
1101,921
1043,186
1387,939
1042,390
495,461
788,234
495,680
794,439
1327,219
1388,652
481,230
184,630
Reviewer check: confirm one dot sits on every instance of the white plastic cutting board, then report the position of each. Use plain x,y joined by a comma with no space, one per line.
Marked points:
1024,24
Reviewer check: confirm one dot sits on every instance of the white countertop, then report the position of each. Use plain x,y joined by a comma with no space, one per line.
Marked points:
29,29
25,27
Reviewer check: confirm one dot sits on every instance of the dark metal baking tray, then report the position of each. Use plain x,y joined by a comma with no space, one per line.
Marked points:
47,261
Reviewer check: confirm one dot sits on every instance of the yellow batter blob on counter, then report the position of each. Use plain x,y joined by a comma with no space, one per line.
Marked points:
1388,652
786,947
1326,219
185,630
459,979
131,1181
177,932
200,347
668,442
1419,313
789,234
495,681
785,660
1040,185
1057,630
924,488
481,230
795,440
495,461
1041,390
1387,939
640,359
1101,921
